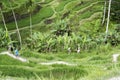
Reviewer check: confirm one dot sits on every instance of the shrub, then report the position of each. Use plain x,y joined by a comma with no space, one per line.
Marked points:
4,39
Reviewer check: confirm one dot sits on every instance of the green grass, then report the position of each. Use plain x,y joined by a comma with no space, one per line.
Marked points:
15,4
61,6
90,65
86,3
89,12
11,61
48,1
95,64
43,13
47,12
2,49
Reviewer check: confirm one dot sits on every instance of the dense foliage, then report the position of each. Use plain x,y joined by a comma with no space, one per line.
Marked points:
4,39
115,10
47,43
60,27
68,29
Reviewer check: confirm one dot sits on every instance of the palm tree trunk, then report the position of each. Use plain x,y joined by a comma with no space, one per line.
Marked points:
108,19
103,21
30,24
3,19
18,32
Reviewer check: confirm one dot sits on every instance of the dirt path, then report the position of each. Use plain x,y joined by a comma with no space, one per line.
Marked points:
13,56
42,63
114,78
58,62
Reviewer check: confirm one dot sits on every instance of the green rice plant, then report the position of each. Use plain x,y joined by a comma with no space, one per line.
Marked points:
37,76
42,14
85,4
48,1
6,60
2,49
65,72
15,72
28,53
76,72
91,11
0,73
60,7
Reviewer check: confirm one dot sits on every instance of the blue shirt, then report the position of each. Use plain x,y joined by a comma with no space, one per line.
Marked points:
16,52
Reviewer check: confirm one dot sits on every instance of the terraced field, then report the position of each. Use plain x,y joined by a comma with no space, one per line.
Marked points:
81,16
45,13
68,67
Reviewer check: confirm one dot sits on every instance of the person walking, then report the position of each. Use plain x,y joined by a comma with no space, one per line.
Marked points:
10,48
16,52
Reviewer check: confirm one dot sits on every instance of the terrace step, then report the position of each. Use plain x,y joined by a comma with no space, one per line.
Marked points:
58,62
13,56
95,15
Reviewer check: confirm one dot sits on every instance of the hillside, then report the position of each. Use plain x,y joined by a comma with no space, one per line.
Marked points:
68,67
45,14
59,39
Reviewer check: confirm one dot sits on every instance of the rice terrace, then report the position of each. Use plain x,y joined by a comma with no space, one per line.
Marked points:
59,40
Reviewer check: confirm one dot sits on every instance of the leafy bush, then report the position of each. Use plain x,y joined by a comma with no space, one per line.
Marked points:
60,43
4,39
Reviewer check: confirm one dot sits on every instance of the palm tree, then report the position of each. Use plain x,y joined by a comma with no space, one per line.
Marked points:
104,13
30,12
18,32
30,23
3,19
108,18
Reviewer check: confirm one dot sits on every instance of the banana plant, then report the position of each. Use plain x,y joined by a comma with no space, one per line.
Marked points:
30,10
50,43
60,43
75,38
3,19
3,38
67,41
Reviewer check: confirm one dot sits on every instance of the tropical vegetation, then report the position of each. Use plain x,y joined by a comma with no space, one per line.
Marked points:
83,33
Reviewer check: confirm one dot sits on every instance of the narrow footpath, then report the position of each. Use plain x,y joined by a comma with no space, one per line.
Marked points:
13,56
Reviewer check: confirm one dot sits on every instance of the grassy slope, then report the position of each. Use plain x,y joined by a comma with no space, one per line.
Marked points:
99,66
95,67
47,12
